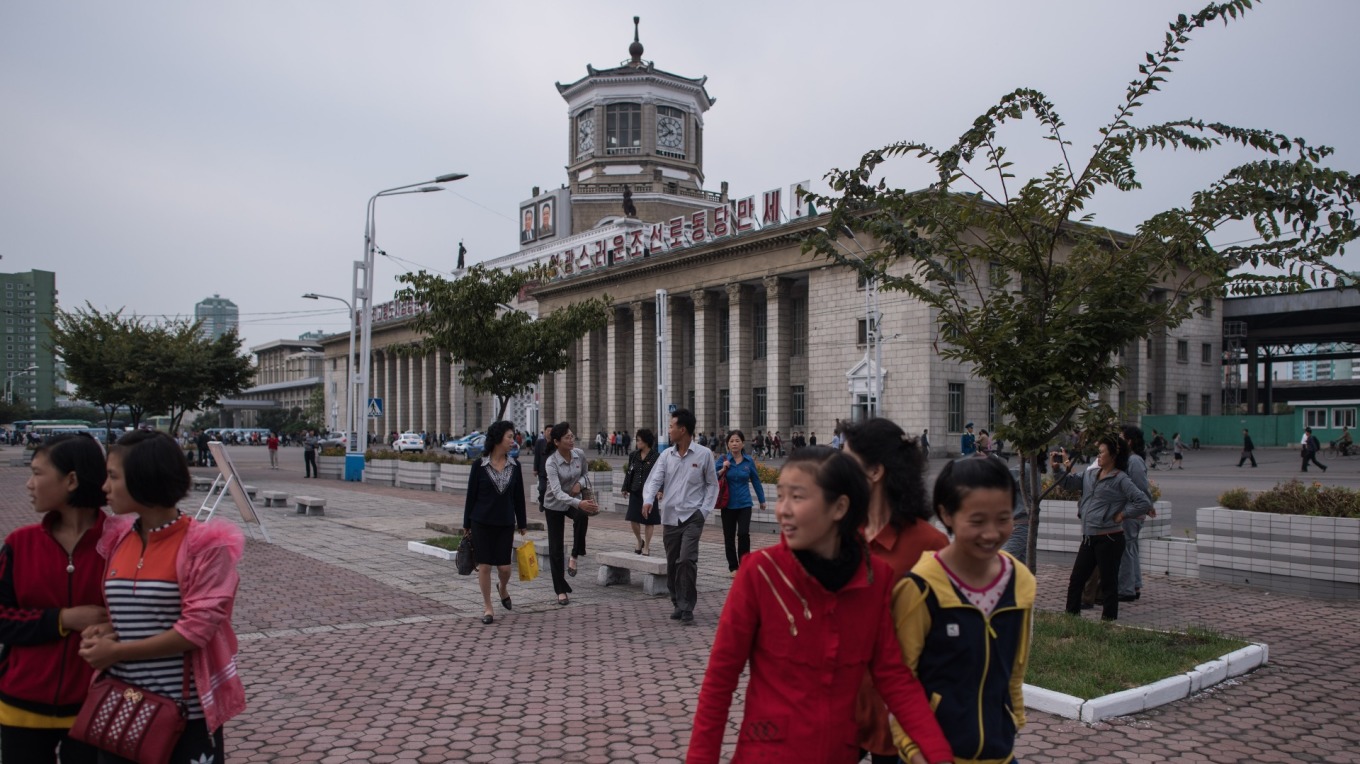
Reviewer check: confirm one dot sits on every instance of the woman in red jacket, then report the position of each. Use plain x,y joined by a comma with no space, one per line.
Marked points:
50,589
810,615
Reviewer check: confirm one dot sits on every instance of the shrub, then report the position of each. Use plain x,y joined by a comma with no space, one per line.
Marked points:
1234,498
376,455
767,474
599,465
1295,498
333,451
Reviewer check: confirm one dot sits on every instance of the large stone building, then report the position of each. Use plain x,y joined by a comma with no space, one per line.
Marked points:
287,372
755,334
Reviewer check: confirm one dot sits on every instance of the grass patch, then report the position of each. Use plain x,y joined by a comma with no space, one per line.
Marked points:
1089,658
446,542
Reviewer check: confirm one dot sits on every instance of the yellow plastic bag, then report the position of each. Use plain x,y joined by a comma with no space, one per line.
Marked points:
527,559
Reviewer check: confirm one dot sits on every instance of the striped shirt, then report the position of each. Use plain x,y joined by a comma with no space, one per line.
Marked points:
142,589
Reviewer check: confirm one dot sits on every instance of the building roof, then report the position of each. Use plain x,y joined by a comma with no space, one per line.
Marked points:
277,386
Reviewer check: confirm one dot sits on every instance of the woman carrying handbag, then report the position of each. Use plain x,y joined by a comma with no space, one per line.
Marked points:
567,497
494,508
170,585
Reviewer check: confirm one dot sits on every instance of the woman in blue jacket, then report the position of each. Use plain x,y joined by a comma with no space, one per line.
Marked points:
740,473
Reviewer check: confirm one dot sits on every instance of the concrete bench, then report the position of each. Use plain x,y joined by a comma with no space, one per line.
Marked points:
202,482
272,498
310,505
250,490
617,568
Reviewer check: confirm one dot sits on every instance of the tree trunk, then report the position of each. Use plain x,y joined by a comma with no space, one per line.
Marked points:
504,404
1031,484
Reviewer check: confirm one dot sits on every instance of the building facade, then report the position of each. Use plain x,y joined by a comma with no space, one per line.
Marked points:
30,364
716,307
287,373
218,314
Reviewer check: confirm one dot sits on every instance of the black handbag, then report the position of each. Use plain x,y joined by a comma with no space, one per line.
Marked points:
463,558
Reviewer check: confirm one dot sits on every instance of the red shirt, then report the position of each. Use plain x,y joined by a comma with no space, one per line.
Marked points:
808,649
272,443
900,549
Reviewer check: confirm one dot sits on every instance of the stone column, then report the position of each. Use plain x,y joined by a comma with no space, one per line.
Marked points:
547,400
678,320
613,384
739,356
398,399
776,356
644,366
585,398
705,412
408,421
440,385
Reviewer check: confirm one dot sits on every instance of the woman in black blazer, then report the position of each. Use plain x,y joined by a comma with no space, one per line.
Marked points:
493,510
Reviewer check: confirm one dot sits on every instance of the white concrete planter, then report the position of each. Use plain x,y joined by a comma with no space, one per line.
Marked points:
1150,696
330,467
380,471
426,549
453,478
1288,554
602,482
421,476
1170,556
1060,528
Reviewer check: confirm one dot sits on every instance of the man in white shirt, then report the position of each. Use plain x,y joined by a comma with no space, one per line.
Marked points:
684,476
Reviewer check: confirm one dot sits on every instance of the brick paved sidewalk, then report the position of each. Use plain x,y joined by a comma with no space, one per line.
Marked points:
353,649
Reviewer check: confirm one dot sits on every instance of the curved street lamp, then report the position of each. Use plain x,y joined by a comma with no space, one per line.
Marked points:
351,422
363,307
9,381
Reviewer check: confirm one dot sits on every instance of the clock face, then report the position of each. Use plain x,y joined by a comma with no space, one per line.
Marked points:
585,134
670,133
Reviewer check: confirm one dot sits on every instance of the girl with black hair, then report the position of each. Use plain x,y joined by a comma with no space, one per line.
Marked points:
50,590
741,475
898,531
810,615
963,616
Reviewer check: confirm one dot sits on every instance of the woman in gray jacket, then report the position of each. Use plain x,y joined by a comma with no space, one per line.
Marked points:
566,498
1108,497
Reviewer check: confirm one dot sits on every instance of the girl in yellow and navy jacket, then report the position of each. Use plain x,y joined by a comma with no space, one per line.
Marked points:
963,617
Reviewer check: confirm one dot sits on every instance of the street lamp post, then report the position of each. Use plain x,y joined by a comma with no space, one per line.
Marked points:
351,421
363,305
9,381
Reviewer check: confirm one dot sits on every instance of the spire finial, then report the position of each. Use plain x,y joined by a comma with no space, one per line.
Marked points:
635,50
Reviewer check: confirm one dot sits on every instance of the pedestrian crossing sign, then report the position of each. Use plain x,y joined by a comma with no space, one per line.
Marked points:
375,408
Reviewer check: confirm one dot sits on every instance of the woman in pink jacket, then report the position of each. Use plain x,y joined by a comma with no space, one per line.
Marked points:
170,586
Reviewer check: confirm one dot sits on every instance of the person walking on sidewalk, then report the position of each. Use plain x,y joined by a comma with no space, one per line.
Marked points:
542,448
1177,452
741,475
272,443
494,508
51,588
690,486
1310,449
640,464
566,497
309,455
1248,449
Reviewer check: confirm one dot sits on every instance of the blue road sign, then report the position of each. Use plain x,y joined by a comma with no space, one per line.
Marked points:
375,408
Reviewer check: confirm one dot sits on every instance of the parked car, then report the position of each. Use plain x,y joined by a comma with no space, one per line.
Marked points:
409,441
332,439
468,446
459,445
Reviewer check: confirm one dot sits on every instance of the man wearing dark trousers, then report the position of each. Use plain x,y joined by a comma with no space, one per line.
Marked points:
309,456
1248,449
1310,449
541,450
685,478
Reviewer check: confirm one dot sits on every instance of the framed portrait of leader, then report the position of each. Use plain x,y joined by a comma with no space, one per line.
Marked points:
528,226
547,218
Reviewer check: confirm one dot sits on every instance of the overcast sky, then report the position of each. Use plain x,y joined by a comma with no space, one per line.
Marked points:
155,153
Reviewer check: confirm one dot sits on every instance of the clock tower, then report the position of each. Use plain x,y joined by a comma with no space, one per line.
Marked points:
636,128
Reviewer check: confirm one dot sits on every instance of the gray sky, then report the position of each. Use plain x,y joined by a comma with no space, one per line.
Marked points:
154,153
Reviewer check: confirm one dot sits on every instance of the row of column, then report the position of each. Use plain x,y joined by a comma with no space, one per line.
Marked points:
629,397
418,394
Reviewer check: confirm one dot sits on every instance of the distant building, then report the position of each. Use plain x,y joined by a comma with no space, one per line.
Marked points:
30,300
218,314
286,373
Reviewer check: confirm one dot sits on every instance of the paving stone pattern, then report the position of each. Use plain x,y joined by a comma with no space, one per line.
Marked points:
353,649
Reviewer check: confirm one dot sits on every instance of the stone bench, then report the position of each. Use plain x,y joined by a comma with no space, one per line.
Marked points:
250,490
202,482
617,568
310,505
272,498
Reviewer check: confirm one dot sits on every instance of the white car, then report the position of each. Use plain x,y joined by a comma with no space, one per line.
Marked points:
410,441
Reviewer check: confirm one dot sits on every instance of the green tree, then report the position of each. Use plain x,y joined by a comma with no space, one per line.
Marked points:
1033,294
100,350
504,352
315,413
182,370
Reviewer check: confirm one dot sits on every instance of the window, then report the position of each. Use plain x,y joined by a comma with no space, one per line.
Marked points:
1206,403
1206,307
1343,418
478,410
1206,352
691,400
724,329
1182,351
798,323
759,316
623,128
958,270
991,408
1123,401
799,395
861,333
724,410
1182,404
1149,348
1315,418
1149,404
955,407
996,274
759,405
